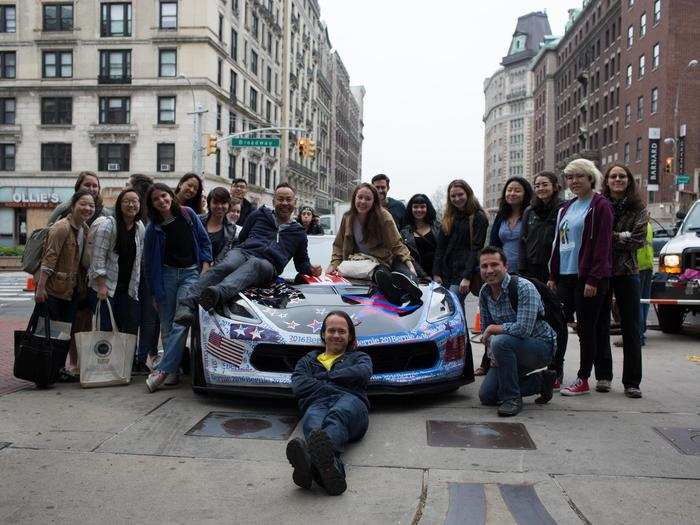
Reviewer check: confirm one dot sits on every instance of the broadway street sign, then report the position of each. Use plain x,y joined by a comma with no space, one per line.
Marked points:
240,142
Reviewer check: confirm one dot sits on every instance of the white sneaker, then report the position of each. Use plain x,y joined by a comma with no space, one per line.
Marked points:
155,380
603,385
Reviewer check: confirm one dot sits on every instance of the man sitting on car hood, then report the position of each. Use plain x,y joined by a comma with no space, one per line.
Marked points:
331,388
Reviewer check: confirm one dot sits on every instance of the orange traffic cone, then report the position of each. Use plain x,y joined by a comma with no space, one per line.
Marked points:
477,323
31,285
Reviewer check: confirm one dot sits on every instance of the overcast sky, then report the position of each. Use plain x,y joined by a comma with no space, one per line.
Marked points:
423,65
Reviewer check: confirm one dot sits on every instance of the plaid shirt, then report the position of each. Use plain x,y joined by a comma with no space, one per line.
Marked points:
104,261
523,323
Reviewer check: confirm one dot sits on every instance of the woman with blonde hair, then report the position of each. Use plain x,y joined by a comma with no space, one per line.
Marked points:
580,270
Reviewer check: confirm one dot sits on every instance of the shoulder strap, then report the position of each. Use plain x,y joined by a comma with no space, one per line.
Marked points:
471,231
513,292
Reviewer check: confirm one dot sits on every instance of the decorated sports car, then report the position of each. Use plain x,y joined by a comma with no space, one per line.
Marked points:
253,345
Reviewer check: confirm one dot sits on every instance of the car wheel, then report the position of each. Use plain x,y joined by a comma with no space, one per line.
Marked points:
196,360
670,318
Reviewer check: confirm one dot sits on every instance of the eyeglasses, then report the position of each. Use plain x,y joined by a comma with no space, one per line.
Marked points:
618,176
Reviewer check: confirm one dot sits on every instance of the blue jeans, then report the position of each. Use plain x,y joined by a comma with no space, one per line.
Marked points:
177,282
149,324
516,357
645,292
125,308
344,418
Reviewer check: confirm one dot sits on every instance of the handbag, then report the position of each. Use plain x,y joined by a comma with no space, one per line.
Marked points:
358,266
105,357
40,354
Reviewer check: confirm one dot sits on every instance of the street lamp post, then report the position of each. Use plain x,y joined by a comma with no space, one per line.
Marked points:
197,112
676,132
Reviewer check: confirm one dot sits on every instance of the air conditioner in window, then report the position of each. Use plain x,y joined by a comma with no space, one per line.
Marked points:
113,166
166,167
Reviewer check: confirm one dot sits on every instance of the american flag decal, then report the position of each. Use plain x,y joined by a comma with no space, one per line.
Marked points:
228,350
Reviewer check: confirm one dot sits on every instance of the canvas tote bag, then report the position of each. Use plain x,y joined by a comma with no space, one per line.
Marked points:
105,357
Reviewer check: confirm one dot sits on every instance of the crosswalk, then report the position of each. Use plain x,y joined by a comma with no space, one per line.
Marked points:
12,288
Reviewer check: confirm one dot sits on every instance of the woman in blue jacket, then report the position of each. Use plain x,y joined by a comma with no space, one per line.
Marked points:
508,224
177,248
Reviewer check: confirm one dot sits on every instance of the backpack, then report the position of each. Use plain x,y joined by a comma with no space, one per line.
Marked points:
553,308
34,250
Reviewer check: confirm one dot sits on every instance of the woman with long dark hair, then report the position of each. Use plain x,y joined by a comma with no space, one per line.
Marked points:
222,232
420,233
507,226
369,229
115,267
629,234
189,192
177,248
538,227
307,218
462,235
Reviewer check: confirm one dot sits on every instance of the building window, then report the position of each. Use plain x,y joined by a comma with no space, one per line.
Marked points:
57,17
219,72
56,110
628,80
640,108
115,19
167,63
166,157
231,122
8,19
642,25
234,45
115,67
638,151
253,99
254,62
8,108
630,36
113,157
255,27
166,110
657,11
654,100
221,27
252,173
8,64
218,118
628,114
233,87
7,157
656,55
115,110
642,65
626,154
231,166
57,64
56,156
217,166
268,84
168,15
268,178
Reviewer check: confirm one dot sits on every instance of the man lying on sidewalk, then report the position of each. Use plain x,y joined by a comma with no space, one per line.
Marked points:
519,341
331,388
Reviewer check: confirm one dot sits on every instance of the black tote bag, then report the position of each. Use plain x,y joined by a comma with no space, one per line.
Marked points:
39,358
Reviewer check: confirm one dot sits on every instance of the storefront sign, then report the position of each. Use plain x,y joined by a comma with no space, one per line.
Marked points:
654,145
24,197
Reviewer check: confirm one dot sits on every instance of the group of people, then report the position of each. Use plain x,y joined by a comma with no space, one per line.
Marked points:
161,253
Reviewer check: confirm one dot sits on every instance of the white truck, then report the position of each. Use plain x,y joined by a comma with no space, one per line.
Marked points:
331,222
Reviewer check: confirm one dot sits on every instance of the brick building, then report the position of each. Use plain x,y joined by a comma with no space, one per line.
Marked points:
543,68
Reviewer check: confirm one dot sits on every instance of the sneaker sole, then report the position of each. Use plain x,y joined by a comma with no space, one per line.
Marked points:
208,299
404,283
151,387
565,392
323,458
602,390
633,395
299,459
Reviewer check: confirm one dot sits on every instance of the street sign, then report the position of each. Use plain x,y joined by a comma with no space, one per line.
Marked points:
240,142
682,179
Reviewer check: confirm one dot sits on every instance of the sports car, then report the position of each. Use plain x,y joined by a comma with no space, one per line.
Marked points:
253,345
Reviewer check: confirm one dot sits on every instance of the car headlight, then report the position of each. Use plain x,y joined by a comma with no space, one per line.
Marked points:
670,264
441,305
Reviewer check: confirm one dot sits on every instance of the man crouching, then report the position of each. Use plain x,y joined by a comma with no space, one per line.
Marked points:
331,388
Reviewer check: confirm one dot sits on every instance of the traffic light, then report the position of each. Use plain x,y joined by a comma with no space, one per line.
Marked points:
310,148
303,146
211,144
669,165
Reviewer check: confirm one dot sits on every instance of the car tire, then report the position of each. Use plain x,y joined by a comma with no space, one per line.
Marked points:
196,360
670,318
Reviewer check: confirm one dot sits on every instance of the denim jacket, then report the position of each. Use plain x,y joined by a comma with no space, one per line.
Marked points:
154,250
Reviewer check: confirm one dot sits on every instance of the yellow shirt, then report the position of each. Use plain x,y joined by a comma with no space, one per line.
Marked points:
327,360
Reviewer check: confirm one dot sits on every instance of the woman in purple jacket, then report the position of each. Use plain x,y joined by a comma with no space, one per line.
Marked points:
580,271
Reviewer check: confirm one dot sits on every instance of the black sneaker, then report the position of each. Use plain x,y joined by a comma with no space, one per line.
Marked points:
140,369
384,281
184,315
405,283
547,390
324,460
209,298
510,407
633,392
298,456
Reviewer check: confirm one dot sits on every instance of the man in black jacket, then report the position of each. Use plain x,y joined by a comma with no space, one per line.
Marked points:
239,189
396,208
331,388
268,240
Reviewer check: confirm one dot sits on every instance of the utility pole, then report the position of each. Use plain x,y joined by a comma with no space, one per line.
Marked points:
197,157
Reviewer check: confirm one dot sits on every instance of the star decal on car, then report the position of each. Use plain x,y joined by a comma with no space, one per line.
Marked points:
292,325
255,334
315,325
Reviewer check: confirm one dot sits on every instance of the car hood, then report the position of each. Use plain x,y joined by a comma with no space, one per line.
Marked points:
680,242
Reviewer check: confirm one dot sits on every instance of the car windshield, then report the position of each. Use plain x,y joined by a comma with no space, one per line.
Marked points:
692,220
320,249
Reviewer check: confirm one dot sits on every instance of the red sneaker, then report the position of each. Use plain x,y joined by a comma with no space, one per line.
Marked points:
557,384
580,387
